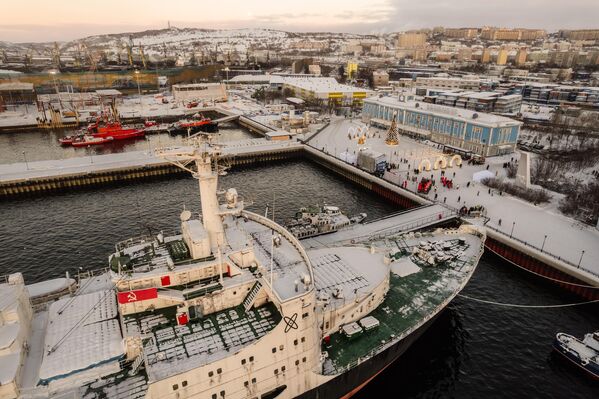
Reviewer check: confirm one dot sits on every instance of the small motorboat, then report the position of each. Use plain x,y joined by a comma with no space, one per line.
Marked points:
583,353
87,140
149,123
68,140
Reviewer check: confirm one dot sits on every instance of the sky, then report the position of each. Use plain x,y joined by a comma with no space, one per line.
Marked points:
62,20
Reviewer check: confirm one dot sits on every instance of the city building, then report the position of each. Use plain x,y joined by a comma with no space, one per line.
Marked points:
449,82
556,94
411,40
351,69
482,133
16,93
512,34
520,56
485,101
328,90
502,57
580,34
461,33
486,56
380,78
200,92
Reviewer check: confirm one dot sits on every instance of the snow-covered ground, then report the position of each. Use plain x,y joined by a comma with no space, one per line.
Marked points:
565,236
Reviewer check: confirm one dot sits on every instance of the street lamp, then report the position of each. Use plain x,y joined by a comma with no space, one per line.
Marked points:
138,88
25,158
53,73
543,246
512,232
580,261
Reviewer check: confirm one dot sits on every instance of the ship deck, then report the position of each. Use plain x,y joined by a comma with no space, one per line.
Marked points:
409,301
171,348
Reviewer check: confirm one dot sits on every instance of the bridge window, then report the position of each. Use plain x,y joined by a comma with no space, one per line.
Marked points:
253,380
251,358
281,347
175,387
274,350
210,373
243,361
303,339
184,384
219,371
305,315
295,342
282,369
276,371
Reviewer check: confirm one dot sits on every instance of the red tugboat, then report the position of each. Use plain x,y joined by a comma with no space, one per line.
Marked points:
121,134
193,126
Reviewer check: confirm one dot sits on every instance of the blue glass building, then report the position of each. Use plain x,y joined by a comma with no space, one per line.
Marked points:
482,133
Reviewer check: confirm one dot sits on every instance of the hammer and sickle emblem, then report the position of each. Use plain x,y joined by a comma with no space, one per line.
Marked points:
290,322
131,297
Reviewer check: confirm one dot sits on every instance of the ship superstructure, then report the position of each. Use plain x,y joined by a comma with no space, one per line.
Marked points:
230,306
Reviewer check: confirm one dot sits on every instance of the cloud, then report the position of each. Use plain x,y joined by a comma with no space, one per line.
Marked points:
354,16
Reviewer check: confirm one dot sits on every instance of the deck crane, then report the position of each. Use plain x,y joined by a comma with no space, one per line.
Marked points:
56,56
143,56
130,51
93,66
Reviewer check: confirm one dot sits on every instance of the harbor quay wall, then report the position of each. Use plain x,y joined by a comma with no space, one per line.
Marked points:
50,184
556,270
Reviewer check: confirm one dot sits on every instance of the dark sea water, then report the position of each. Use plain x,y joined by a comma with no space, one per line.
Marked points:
473,350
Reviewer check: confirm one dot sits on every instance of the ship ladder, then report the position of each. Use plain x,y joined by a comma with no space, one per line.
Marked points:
249,299
137,363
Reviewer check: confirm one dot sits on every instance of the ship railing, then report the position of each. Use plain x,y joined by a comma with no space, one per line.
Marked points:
544,251
283,232
4,279
142,239
404,227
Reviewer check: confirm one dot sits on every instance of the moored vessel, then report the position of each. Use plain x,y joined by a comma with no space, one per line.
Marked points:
316,220
583,353
232,305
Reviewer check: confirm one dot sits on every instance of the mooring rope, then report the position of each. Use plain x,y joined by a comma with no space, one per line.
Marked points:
515,305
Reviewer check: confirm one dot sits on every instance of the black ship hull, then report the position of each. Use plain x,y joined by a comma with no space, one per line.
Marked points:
350,382
211,127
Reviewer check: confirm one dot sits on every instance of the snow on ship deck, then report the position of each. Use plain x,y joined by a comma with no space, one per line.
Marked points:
417,292
173,348
401,222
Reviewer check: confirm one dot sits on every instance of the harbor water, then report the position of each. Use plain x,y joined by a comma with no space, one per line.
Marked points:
473,350
38,145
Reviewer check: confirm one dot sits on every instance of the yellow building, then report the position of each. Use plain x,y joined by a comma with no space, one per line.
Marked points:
521,56
411,40
351,70
486,56
502,57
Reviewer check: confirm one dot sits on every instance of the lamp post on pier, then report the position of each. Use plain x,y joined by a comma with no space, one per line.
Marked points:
543,246
512,232
580,260
26,163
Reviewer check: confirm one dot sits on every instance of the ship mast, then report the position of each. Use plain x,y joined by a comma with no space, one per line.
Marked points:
204,155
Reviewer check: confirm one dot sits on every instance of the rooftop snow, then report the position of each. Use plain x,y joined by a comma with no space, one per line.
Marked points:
445,111
85,322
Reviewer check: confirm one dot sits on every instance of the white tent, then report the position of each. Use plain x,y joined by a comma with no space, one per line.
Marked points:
482,175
